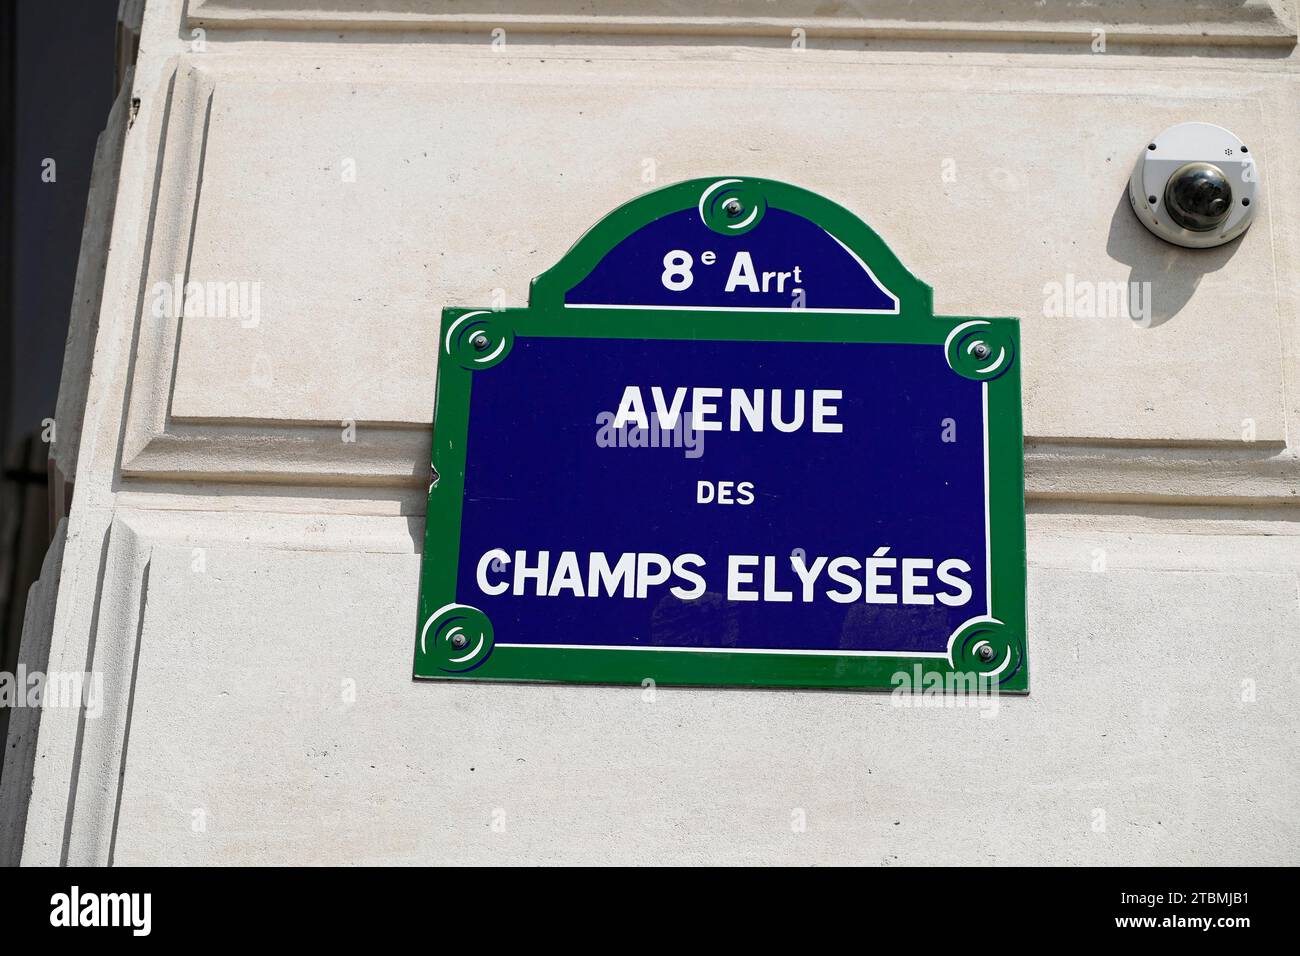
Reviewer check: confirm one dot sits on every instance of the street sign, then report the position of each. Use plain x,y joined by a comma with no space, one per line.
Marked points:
727,443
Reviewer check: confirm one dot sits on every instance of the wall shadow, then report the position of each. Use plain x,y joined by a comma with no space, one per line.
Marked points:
1172,271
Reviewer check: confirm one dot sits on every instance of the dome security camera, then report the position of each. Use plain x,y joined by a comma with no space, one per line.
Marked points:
1195,185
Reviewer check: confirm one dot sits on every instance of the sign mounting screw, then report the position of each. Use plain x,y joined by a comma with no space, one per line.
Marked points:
459,641
480,342
985,653
733,208
980,351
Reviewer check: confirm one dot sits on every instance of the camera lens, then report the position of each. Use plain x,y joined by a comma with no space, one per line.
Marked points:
1198,197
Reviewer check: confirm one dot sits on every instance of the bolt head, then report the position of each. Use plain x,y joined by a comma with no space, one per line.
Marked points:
980,351
459,641
986,653
733,208
480,342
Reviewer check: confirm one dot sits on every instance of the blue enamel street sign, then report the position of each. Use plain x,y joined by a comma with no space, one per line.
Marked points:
727,442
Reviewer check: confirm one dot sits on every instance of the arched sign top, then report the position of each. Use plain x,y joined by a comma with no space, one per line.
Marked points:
737,245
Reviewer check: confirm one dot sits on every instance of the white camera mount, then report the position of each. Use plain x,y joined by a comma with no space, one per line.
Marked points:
1195,185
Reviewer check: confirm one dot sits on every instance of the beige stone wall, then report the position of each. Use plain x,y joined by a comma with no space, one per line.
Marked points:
233,567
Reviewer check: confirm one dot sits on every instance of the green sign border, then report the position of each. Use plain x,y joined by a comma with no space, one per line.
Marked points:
456,642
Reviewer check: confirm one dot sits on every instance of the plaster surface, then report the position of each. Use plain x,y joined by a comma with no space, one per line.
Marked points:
327,753
241,556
